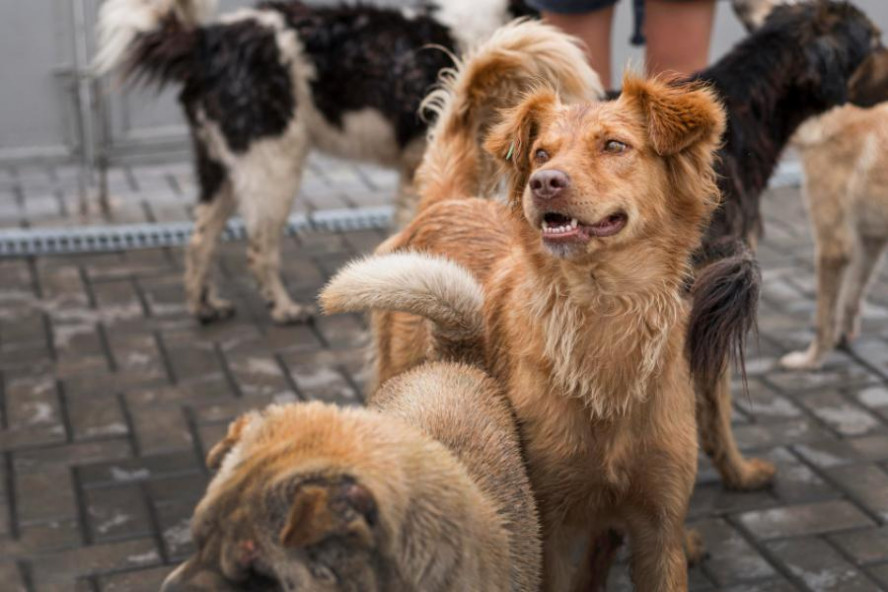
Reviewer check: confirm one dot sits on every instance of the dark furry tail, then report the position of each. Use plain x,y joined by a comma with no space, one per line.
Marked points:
152,40
725,300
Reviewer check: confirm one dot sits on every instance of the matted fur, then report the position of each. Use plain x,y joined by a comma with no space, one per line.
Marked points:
423,492
588,339
846,190
800,63
262,87
518,57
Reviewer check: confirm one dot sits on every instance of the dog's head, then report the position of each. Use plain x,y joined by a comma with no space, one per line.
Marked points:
599,175
842,45
284,512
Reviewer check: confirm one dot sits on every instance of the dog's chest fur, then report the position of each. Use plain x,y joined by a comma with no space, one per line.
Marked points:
589,386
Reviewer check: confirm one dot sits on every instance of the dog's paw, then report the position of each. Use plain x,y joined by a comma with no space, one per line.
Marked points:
800,360
214,310
755,473
290,313
694,548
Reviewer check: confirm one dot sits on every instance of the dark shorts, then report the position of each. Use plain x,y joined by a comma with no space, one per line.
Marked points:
571,6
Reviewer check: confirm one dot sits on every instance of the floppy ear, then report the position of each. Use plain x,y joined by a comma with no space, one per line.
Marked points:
677,115
322,510
235,429
869,84
510,140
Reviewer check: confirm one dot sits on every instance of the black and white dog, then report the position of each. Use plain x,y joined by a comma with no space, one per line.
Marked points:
262,86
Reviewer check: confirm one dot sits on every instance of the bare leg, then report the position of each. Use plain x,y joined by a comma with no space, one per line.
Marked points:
864,261
717,439
678,35
199,290
594,28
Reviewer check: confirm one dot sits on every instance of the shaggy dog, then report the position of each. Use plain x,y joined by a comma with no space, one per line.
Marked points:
574,293
846,187
424,492
261,87
800,63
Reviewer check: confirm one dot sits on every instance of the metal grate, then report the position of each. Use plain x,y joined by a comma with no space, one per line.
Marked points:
91,239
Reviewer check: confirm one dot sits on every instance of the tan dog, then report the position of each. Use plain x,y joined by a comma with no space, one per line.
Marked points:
846,187
579,282
426,492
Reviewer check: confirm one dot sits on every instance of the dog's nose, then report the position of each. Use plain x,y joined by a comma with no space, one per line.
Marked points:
549,183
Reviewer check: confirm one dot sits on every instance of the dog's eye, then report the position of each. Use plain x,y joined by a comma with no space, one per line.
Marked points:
615,147
541,155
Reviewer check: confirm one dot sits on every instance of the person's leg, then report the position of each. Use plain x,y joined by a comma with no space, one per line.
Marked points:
594,29
678,34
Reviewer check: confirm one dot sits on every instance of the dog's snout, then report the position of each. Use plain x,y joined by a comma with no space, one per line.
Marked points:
549,183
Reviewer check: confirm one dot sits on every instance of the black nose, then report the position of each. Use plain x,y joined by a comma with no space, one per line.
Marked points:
549,183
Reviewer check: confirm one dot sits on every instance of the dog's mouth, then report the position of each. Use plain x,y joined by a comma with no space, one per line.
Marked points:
558,227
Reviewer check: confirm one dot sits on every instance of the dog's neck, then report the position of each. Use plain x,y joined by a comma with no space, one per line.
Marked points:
606,324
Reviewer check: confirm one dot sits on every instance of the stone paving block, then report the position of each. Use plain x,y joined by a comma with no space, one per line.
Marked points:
833,452
134,581
843,416
97,415
820,567
863,546
175,529
160,430
50,536
134,470
63,567
45,495
868,484
797,483
784,433
732,559
11,576
117,512
804,519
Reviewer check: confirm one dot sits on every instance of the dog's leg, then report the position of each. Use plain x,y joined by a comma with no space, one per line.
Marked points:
834,256
717,440
658,560
864,261
200,292
266,209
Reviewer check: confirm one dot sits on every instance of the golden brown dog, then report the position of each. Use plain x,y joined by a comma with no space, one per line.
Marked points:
426,491
846,187
579,283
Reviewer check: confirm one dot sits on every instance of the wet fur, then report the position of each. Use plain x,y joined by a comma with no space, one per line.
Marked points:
798,64
425,491
590,349
846,189
262,87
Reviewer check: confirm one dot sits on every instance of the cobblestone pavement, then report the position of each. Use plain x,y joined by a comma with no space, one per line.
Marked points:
110,395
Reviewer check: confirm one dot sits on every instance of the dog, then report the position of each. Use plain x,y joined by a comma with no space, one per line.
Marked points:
425,491
263,86
846,189
574,291
803,60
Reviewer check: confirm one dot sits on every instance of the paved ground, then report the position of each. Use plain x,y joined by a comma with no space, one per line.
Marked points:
110,395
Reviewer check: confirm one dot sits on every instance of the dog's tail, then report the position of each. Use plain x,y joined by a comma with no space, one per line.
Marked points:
432,287
151,38
518,57
725,298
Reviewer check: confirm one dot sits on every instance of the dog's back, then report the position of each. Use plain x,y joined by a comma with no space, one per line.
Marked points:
464,409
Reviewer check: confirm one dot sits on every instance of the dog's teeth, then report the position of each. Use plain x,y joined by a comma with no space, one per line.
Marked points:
574,222
545,225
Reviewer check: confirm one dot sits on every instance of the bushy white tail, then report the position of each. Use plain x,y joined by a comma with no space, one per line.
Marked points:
519,57
428,286
122,21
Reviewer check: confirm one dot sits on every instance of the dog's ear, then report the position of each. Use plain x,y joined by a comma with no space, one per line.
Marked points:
510,140
869,84
677,115
235,429
321,510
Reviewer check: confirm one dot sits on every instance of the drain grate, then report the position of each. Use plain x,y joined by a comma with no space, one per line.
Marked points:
91,239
